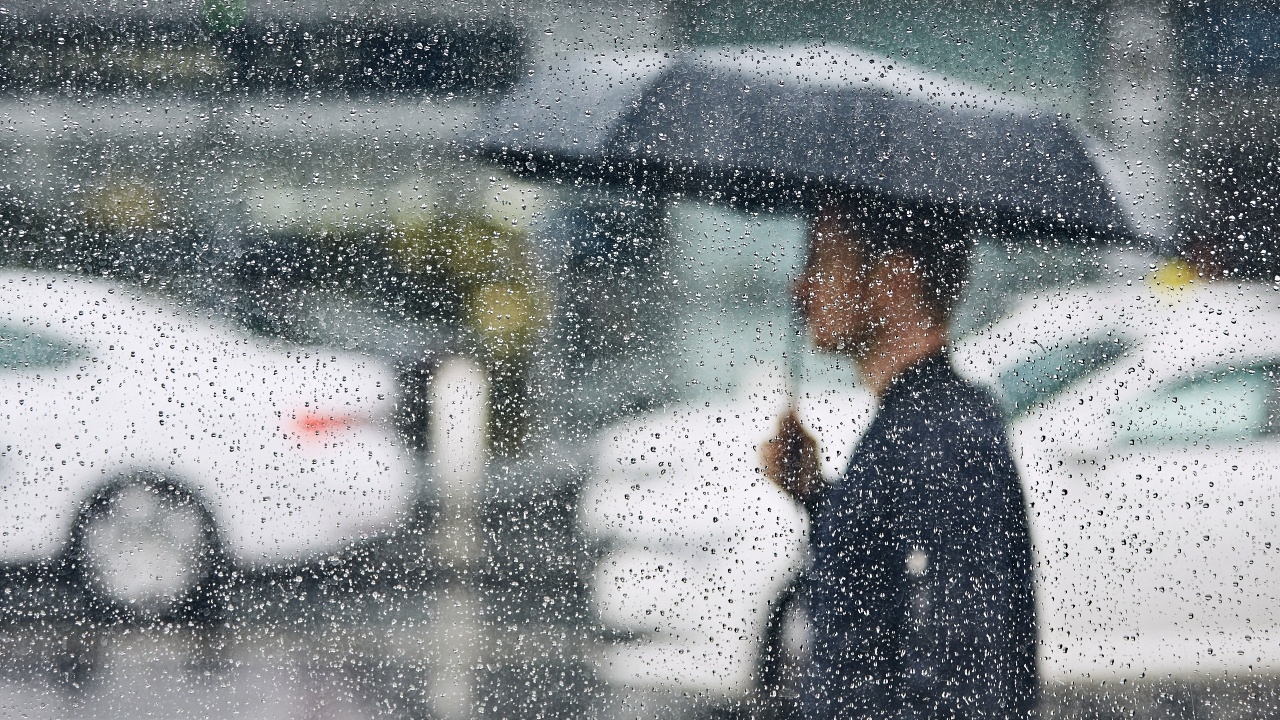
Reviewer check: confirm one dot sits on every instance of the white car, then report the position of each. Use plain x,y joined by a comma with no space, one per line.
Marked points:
1144,419
148,449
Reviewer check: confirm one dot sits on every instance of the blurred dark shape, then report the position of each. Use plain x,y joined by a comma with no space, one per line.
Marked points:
437,56
1232,38
357,263
131,53
20,221
107,55
1230,227
1234,230
104,236
413,407
267,276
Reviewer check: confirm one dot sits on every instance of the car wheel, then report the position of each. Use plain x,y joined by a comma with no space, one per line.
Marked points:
145,549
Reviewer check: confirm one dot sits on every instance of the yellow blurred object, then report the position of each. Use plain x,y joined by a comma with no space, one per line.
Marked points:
1175,275
506,300
507,316
168,65
473,249
126,206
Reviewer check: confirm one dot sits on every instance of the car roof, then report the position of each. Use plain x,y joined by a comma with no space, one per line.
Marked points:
202,346
61,301
1193,320
72,307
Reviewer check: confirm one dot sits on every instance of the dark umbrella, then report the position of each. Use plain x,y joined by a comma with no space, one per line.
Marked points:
772,128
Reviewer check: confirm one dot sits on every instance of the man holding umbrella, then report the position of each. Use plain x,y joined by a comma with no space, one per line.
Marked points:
920,590
921,581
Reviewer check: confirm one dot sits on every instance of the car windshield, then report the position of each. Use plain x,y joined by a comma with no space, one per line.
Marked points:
24,349
1041,375
1223,405
646,360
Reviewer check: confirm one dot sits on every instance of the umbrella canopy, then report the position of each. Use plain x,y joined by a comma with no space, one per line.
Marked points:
776,127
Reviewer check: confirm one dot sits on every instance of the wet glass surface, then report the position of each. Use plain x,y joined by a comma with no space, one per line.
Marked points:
487,360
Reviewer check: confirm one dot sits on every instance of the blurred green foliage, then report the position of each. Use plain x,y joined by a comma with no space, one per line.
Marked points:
223,15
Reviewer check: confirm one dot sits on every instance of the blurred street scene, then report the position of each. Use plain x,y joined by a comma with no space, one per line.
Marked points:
311,410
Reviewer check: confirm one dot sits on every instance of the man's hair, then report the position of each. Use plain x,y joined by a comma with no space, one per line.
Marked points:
930,235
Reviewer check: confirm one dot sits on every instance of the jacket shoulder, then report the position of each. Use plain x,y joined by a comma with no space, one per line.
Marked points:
950,408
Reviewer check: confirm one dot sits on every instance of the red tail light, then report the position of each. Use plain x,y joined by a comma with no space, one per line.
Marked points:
313,424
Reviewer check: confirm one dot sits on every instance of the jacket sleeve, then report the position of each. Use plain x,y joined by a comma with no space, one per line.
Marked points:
852,675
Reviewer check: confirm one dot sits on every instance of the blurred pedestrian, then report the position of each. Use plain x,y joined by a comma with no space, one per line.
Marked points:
920,590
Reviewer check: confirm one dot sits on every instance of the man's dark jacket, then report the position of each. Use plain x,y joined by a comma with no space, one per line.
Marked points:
920,589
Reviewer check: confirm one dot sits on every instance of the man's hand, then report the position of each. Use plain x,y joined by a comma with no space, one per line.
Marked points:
790,459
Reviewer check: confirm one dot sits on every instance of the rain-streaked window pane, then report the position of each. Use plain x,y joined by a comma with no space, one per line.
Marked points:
645,360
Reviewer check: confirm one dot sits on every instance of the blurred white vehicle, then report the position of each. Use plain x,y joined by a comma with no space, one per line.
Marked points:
147,447
1144,419
698,546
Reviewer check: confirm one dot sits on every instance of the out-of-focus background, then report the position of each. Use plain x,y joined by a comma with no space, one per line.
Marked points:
309,411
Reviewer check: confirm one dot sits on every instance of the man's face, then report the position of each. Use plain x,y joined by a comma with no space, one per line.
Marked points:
835,290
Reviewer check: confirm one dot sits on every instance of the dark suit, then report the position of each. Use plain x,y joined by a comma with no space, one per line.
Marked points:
921,584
